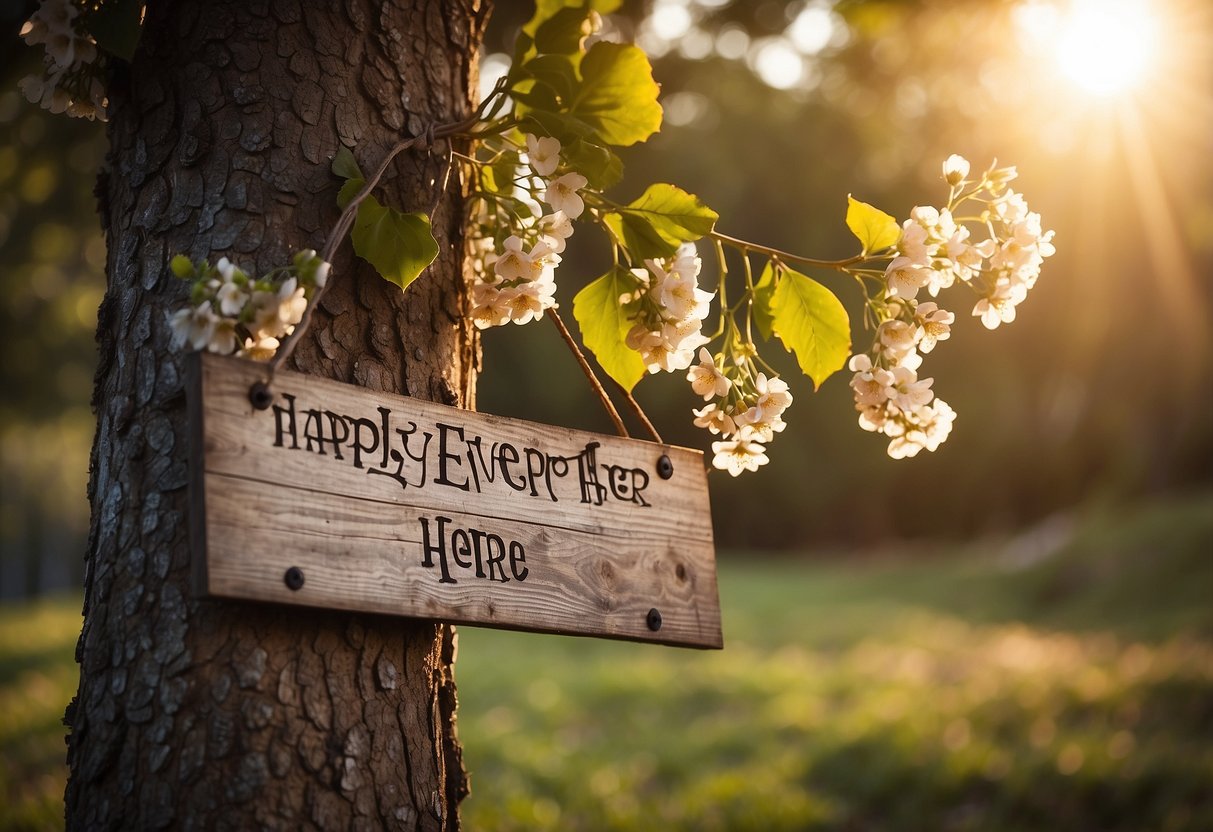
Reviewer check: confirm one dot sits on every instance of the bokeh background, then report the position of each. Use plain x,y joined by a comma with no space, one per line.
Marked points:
1013,631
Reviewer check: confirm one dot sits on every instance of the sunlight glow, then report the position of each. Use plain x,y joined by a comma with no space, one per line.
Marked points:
777,63
1106,46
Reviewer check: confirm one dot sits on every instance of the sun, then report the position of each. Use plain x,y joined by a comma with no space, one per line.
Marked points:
1106,47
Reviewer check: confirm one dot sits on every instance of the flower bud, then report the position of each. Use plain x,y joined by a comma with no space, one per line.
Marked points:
955,169
181,266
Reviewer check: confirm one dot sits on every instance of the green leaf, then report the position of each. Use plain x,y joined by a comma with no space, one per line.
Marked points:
398,245
546,9
345,165
536,96
557,72
604,326
659,220
116,26
596,163
676,215
874,228
568,129
563,32
764,294
812,323
639,236
348,191
618,96
498,178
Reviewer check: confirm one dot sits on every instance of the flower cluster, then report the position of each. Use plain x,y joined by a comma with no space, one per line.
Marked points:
935,251
745,408
232,312
669,308
515,279
72,83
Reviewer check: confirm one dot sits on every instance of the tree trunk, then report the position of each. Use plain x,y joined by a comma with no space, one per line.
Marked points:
204,714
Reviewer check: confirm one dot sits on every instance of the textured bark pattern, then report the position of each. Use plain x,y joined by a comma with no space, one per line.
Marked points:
208,715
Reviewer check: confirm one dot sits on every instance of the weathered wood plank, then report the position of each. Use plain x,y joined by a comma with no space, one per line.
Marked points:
542,528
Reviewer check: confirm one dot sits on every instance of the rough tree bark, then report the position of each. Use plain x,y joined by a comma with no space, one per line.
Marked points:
203,714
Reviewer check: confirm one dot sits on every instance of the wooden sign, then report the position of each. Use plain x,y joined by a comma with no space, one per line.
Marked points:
329,495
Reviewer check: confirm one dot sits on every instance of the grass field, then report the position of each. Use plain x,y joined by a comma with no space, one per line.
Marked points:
999,687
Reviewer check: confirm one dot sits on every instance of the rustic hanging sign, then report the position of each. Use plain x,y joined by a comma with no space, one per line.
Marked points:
329,495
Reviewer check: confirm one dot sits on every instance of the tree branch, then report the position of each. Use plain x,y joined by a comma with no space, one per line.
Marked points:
589,374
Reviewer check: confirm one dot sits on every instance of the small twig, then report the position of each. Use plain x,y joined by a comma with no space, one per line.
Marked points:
589,374
745,246
639,411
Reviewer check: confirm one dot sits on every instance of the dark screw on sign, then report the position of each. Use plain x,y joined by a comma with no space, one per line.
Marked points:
259,395
293,578
665,468
653,620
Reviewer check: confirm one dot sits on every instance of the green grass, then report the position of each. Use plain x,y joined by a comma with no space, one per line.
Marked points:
917,691
38,677
949,693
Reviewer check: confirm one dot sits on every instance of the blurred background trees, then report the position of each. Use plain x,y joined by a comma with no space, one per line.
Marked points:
775,111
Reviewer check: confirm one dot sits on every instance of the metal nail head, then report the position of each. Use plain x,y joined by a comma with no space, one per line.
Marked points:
293,578
653,620
259,395
665,468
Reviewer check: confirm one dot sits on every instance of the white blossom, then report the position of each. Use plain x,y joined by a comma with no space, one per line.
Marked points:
556,228
231,299
715,419
223,337
276,313
738,455
70,84
262,349
914,244
682,298
490,305
757,431
898,341
543,153
924,427
193,326
706,379
905,277
772,400
910,392
935,324
513,263
873,386
562,194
